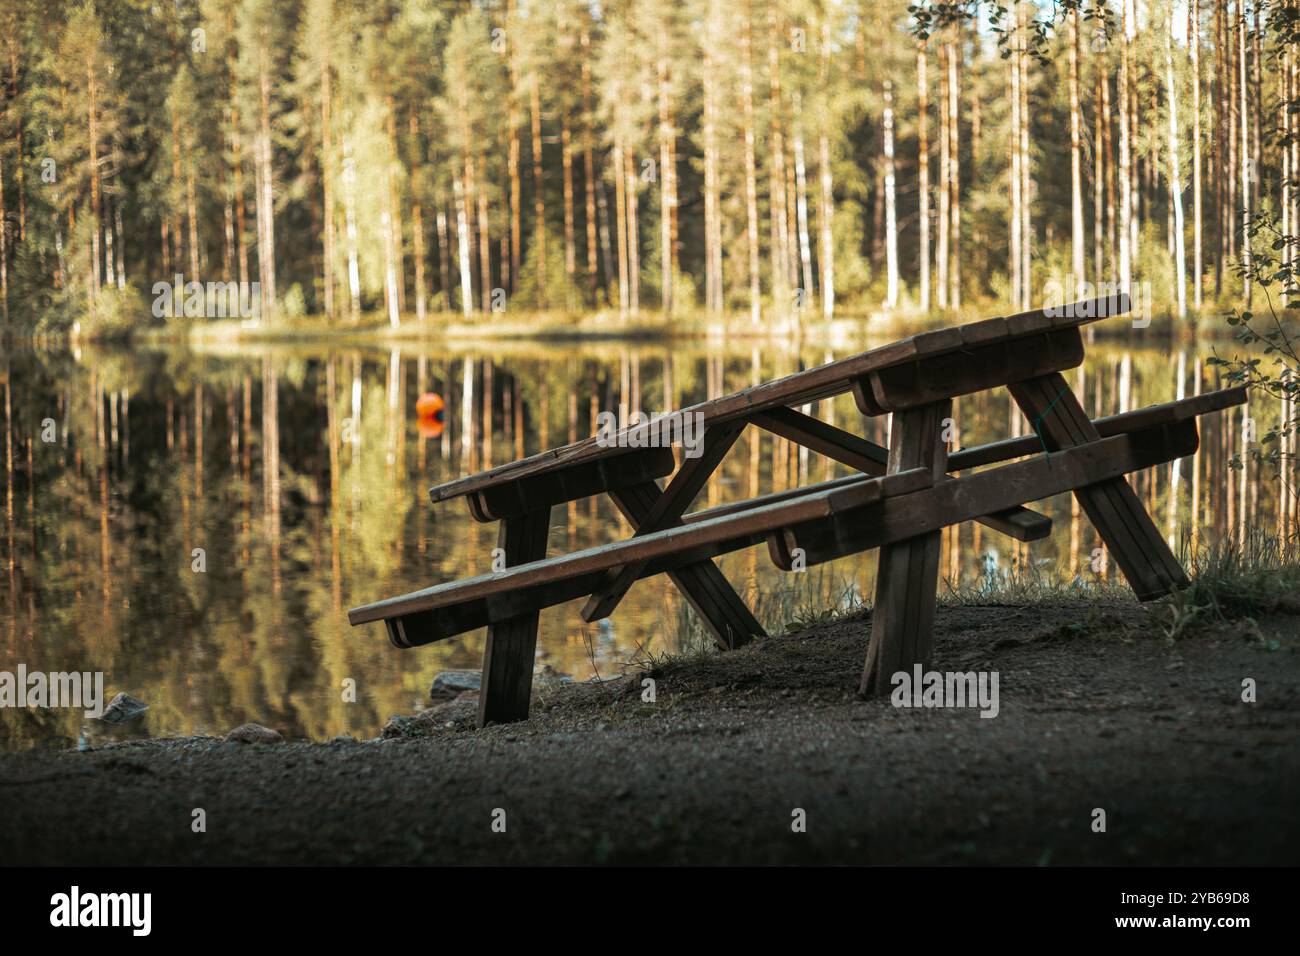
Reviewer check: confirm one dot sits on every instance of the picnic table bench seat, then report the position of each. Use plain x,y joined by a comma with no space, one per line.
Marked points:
898,501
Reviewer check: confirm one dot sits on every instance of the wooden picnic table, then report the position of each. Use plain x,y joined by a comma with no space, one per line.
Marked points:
899,500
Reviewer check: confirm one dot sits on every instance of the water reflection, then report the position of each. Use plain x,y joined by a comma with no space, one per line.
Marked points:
196,524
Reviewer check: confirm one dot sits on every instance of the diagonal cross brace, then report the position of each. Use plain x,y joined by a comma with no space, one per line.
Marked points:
1023,524
648,512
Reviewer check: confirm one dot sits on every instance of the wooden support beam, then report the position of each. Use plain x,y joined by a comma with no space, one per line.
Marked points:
648,510
1113,508
507,684
947,503
967,370
871,459
902,621
700,582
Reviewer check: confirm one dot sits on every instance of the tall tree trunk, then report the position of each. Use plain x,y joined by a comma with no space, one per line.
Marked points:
327,178
779,251
667,179
633,239
954,173
751,175
395,167
1194,43
266,203
462,250
1014,239
1026,188
1098,176
539,200
826,199
891,215
713,296
620,225
1245,154
484,240
1175,177
191,205
923,172
941,253
1076,163
515,148
4,249
1125,156
417,224
444,250
20,127
588,161
350,230
92,110
801,207
570,247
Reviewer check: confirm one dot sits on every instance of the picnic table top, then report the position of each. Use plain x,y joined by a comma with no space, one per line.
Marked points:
810,385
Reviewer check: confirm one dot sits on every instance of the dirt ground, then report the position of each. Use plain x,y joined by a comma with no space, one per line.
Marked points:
1094,713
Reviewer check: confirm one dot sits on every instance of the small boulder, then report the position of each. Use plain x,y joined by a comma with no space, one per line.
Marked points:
451,684
254,734
122,708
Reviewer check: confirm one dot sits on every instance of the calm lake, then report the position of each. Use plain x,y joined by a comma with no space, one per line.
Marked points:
195,524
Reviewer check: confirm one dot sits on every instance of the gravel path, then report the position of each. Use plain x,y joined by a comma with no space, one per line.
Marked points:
1092,714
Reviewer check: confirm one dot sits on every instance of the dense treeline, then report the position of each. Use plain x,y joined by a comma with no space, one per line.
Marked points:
405,157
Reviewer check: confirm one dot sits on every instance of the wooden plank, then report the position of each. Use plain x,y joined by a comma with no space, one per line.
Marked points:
1110,425
800,388
968,370
1028,480
507,684
902,620
870,458
425,627
755,521
583,480
1113,508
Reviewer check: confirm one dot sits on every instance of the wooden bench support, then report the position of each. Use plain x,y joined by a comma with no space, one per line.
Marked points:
705,587
507,683
870,459
902,623
1112,506
666,510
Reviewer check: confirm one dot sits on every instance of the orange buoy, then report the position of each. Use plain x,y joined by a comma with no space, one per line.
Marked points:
429,427
430,405
429,411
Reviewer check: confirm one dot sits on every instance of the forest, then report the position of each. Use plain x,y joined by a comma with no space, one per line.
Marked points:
391,161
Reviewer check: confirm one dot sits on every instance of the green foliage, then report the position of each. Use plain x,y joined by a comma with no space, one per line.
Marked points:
1271,363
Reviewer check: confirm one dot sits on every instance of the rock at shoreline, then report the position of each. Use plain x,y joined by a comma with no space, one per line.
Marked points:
122,708
254,734
451,684
461,709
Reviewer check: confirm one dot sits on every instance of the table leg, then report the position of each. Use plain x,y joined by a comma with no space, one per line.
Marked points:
507,683
902,621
